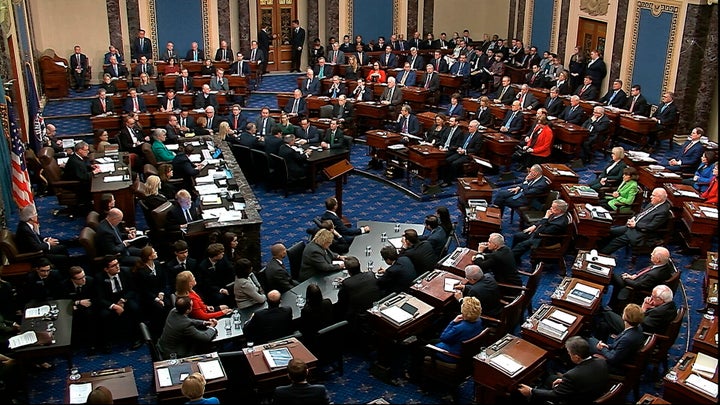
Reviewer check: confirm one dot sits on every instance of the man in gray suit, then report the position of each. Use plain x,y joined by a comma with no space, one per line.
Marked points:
182,335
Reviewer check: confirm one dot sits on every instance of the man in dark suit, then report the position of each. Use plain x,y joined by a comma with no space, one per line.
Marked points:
184,336
115,69
573,113
224,53
112,51
665,116
536,78
534,184
240,66
482,286
29,240
598,126
79,168
553,104
102,104
659,309
636,103
277,276
141,46
615,97
310,85
337,88
612,174
623,347
416,61
431,81
388,59
555,222
184,82
357,292
688,157
295,160
641,228
596,68
514,121
300,392
263,45
335,55
495,257
42,283
335,137
297,41
343,111
505,94
461,67
205,99
182,212
362,93
439,63
128,138
407,123
436,234
296,106
583,383
361,56
270,323
273,141
215,276
117,303
109,240
661,269
399,276
587,90
471,144
391,96
181,262
527,100
264,122
78,67
407,77
144,67
307,133
331,205
81,289
133,103
170,102
195,54
420,252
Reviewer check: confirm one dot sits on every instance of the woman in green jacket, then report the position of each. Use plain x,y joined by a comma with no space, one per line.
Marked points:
625,193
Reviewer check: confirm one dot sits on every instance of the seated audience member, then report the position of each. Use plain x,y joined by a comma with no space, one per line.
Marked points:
406,77
623,347
495,257
659,310
536,78
134,103
587,90
246,287
585,382
517,196
573,113
483,114
407,123
111,240
161,152
513,122
185,169
42,283
504,94
482,286
553,104
420,252
331,206
612,173
300,391
273,141
343,111
115,69
636,103
341,244
146,85
230,242
100,141
464,326
335,137
152,189
269,323
102,104
598,127
616,96
28,238
79,168
624,196
389,60
660,269
181,262
398,277
193,388
704,172
711,193
641,228
310,85
171,68
184,287
361,93
240,67
286,127
555,222
277,276
182,335
118,306
436,236
337,88
220,82
207,69
665,116
438,131
205,99
317,258
80,289
107,202
539,143
165,172
184,82
296,106
216,276
469,145
376,75
295,158
690,153
182,212
100,395
315,315
108,84
527,99
153,289
357,292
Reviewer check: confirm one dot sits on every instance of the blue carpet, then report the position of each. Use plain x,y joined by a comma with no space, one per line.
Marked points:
285,220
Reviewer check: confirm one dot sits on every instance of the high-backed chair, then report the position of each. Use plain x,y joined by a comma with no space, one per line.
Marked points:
554,247
529,216
66,191
18,263
150,155
147,338
614,395
530,287
294,254
665,341
243,157
261,164
632,372
330,342
92,219
509,317
281,175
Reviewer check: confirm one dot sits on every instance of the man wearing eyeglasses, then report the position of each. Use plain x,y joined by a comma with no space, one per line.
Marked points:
80,288
43,283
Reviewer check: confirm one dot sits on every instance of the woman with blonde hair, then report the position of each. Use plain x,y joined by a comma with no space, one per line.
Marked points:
223,132
317,257
193,388
146,85
153,197
184,284
463,327
352,70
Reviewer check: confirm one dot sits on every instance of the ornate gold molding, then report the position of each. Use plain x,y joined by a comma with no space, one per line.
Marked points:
153,28
530,14
594,7
555,23
396,16
349,22
206,27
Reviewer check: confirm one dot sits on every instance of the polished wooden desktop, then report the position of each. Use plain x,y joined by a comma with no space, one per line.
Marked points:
572,196
710,282
120,382
264,378
705,337
636,128
588,230
416,96
121,190
679,392
50,343
480,223
378,142
427,159
388,330
473,188
568,137
373,112
456,261
698,228
493,384
638,159
320,159
431,288
648,399
530,332
679,193
499,148
560,296
652,178
172,392
580,269
558,174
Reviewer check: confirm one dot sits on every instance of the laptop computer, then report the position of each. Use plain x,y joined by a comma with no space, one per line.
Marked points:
196,226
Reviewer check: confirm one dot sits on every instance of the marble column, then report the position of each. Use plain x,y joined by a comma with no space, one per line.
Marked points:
520,21
133,16
114,25
412,18
428,16
619,39
511,21
224,22
313,23
244,20
332,20
563,29
697,77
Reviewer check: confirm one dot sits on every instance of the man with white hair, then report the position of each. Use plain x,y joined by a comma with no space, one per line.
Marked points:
659,308
660,269
205,99
496,257
641,228
481,286
28,238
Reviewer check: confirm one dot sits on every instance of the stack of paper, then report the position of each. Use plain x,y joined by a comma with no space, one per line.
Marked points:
396,314
37,312
212,369
450,284
706,386
552,328
705,365
23,339
279,357
563,317
583,294
506,363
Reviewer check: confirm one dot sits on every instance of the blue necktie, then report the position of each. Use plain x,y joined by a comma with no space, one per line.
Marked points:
467,141
612,97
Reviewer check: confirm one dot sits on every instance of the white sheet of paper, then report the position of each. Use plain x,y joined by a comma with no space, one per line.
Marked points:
396,314
450,284
80,392
23,339
211,369
37,312
163,375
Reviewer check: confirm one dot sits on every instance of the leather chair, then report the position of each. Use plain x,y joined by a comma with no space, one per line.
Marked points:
243,157
162,239
330,342
35,170
150,155
509,317
87,241
665,341
261,162
529,216
147,338
623,212
634,370
262,278
294,254
66,191
530,287
550,249
614,395
281,175
92,220
19,264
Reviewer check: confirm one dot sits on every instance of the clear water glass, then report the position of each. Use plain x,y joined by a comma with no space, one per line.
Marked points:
483,354
300,301
74,374
228,327
250,345
376,307
370,265
710,313
173,358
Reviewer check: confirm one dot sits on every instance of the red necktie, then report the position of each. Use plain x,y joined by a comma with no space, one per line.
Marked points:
582,90
687,148
643,271
135,104
102,102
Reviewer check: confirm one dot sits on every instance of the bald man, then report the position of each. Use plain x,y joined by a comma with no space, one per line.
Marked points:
111,240
270,323
278,277
659,270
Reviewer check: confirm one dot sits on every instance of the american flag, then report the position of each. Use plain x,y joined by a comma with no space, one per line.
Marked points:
21,187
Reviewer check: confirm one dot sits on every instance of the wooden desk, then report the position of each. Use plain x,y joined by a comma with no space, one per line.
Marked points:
472,188
499,111
470,105
679,392
588,230
456,261
427,159
652,179
572,196
678,193
378,142
481,223
432,289
710,282
391,330
266,379
560,296
499,148
110,123
652,399
493,384
558,174
321,159
190,365
580,269
372,111
314,103
120,382
532,331
61,337
637,159
635,129
427,119
541,94
698,227
415,96
704,339
124,198
568,137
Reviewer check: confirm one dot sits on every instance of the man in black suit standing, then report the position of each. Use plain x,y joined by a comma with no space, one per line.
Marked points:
28,239
78,67
596,68
357,292
141,46
642,227
616,96
623,283
81,289
270,323
117,303
297,41
109,240
277,276
495,257
263,43
300,392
